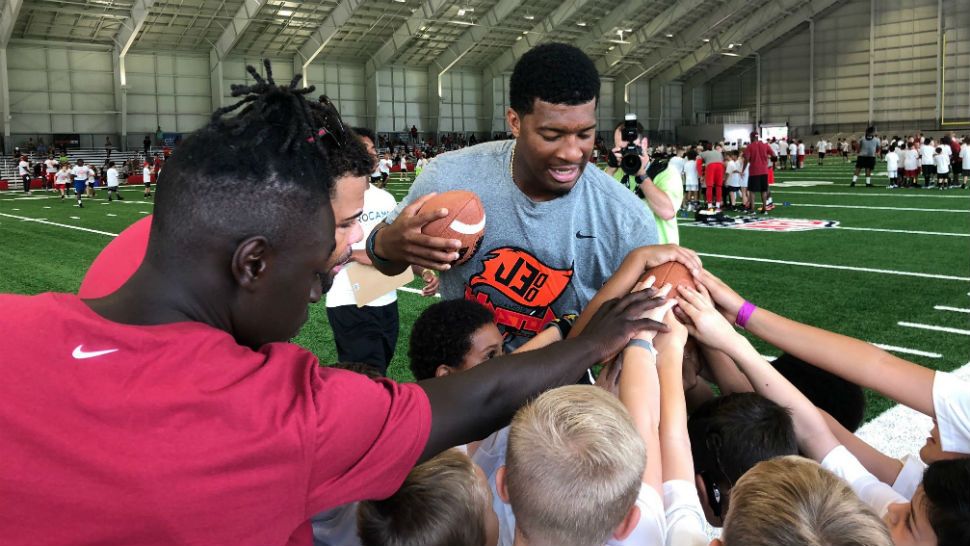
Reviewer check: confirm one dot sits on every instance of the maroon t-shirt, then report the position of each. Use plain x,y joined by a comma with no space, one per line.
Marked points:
176,434
757,155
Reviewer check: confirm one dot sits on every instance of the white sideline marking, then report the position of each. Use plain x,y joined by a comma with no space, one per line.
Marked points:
960,211
904,350
946,329
907,231
415,291
954,309
45,222
901,431
841,267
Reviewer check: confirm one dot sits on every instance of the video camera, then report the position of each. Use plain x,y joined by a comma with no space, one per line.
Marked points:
630,152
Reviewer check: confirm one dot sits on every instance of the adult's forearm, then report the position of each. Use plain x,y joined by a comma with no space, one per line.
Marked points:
658,201
469,406
387,267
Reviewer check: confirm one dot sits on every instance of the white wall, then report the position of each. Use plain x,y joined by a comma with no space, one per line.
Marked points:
60,90
167,90
461,102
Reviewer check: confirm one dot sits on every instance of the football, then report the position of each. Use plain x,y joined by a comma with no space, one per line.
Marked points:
674,273
465,221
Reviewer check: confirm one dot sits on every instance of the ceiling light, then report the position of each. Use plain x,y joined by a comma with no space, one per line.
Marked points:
463,11
729,54
707,40
284,13
400,1
731,46
517,38
422,29
581,24
529,17
611,48
465,23
670,35
524,32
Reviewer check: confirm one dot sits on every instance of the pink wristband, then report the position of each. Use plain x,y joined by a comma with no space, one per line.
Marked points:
744,314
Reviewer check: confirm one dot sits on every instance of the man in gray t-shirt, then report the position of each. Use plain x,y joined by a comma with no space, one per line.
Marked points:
868,148
556,228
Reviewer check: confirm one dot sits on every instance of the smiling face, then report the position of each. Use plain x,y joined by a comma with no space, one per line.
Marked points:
553,144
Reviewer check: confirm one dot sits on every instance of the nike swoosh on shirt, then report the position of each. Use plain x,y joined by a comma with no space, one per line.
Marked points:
579,235
80,354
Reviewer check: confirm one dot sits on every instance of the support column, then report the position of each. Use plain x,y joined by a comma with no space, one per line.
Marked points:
371,99
757,93
939,60
435,98
872,56
621,102
488,106
811,74
121,98
215,80
5,100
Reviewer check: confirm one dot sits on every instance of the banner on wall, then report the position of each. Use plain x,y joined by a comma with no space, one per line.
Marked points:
67,140
171,139
774,131
735,133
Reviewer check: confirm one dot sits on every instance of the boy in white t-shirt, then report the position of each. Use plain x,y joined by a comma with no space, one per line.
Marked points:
691,178
910,165
942,161
61,179
793,154
892,167
23,171
821,147
52,167
146,178
733,170
927,151
81,174
111,181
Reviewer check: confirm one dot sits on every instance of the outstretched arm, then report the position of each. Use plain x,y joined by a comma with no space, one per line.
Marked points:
497,388
851,359
814,437
678,463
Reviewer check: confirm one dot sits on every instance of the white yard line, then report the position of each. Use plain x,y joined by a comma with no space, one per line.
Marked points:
692,223
840,267
954,309
901,431
928,194
68,226
415,291
959,211
934,328
907,351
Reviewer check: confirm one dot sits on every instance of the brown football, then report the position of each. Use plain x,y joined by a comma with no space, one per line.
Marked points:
465,221
674,273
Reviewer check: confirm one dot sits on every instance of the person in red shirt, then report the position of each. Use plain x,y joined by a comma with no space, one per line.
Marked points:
757,155
173,411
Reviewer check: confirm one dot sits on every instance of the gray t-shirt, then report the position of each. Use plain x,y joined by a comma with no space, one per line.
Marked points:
538,260
867,146
712,156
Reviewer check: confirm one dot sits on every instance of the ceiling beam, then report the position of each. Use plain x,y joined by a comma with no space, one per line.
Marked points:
8,18
763,19
766,38
237,27
475,34
656,28
403,35
615,18
536,35
130,27
312,47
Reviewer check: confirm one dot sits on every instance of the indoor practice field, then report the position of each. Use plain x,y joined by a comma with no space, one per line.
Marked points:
887,266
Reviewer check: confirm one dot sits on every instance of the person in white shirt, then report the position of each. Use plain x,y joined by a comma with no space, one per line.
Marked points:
965,161
801,154
793,154
942,161
52,166
81,173
910,165
692,179
821,147
384,166
23,171
146,178
844,147
61,179
927,163
782,154
892,167
111,181
733,170
404,164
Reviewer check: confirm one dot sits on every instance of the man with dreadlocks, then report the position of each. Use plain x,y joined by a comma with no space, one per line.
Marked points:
173,410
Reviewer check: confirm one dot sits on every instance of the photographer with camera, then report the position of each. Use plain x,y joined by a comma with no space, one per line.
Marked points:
630,164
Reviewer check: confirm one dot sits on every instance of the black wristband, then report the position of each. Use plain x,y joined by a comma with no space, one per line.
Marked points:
371,253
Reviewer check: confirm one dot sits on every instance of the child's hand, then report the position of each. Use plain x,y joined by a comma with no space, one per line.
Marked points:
673,339
728,301
708,326
657,313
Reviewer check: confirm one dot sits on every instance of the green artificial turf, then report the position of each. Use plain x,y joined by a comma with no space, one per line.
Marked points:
865,304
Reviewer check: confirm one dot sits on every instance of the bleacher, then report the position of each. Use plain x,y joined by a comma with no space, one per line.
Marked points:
91,156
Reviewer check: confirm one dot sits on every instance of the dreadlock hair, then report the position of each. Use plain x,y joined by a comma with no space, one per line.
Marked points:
555,73
264,170
348,154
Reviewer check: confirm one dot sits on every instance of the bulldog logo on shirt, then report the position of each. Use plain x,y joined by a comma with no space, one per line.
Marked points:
526,282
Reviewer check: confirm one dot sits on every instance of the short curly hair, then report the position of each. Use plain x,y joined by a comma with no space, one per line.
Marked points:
555,73
442,335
